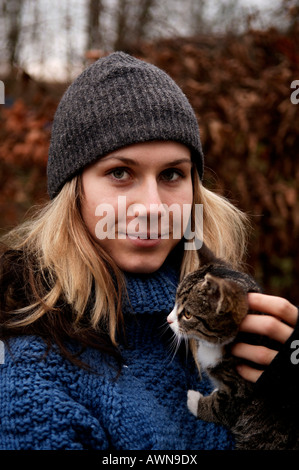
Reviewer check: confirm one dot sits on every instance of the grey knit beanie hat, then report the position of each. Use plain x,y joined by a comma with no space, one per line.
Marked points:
117,101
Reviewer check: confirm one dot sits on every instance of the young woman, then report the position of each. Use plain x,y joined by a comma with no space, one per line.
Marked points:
87,284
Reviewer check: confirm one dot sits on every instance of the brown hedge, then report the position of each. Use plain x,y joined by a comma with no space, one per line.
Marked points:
240,88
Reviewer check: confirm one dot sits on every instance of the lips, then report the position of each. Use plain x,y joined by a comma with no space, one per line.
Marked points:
139,242
144,236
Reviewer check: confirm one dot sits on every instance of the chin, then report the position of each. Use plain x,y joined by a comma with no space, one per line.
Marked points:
140,260
141,266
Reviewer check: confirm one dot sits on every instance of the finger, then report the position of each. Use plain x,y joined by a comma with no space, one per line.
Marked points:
277,306
266,325
258,354
249,373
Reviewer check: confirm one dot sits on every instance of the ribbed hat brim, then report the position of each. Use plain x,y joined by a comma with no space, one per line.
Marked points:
116,102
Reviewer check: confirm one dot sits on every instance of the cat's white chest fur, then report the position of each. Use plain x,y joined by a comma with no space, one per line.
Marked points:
208,354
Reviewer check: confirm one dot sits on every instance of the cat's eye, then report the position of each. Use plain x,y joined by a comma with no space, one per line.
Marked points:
187,315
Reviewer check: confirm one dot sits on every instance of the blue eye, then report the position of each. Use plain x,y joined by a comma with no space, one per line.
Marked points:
119,173
171,175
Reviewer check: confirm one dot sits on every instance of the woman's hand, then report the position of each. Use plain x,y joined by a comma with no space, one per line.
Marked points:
278,324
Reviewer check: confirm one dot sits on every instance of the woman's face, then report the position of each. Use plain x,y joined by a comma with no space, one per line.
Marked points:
137,201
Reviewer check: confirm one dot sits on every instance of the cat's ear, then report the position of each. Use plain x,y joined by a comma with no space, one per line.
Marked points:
205,255
219,289
233,299
212,285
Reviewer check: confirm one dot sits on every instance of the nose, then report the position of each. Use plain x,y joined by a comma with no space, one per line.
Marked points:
150,194
148,199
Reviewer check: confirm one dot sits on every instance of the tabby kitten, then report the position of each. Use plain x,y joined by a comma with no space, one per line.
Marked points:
210,305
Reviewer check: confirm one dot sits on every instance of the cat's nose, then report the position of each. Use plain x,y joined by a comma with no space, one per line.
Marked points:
172,316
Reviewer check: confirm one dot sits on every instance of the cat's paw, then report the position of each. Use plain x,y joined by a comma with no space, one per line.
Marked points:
193,398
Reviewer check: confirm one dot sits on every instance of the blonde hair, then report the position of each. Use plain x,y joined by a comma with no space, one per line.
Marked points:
225,228
66,263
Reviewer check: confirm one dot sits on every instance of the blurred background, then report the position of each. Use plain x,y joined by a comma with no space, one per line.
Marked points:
238,63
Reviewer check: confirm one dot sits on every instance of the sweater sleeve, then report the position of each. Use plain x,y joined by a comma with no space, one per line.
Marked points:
37,412
280,380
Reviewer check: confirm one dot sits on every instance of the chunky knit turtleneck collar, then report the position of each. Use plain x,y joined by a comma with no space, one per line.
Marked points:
152,293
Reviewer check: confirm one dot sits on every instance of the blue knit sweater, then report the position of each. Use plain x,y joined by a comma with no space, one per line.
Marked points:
46,402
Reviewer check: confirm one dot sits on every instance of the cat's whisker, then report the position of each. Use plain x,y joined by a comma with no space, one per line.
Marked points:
186,339
163,329
174,346
176,342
